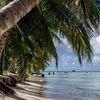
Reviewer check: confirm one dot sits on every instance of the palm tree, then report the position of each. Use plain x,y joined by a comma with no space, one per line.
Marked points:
60,12
26,53
18,8
52,26
47,18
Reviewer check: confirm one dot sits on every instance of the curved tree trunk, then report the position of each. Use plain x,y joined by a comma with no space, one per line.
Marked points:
1,62
10,15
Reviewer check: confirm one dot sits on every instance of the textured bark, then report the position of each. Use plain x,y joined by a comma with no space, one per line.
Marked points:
1,62
2,43
10,15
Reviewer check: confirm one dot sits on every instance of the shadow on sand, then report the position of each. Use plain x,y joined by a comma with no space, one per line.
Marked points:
31,88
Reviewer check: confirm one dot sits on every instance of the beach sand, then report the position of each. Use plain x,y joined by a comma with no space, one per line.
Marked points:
30,90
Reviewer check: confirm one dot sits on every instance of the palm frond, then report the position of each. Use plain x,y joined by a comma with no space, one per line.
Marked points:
62,18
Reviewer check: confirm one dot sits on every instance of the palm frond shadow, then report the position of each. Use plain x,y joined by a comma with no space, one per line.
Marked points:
34,91
16,97
6,90
37,82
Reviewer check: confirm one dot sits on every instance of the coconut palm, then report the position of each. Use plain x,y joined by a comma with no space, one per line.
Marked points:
38,22
54,21
61,13
21,52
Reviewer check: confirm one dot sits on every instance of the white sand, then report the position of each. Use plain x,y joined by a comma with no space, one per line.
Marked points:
28,90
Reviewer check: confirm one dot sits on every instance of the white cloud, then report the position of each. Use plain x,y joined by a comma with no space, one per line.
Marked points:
98,39
95,42
67,60
96,59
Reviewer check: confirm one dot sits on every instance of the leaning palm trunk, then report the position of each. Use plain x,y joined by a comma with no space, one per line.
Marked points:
10,15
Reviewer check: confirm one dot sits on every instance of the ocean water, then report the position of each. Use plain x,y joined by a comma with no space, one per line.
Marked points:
71,86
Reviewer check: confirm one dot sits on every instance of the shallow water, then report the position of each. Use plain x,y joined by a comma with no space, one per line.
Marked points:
61,86
71,86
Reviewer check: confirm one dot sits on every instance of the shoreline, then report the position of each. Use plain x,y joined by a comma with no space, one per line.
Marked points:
57,87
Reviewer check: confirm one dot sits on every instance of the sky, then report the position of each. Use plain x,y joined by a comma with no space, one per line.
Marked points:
68,60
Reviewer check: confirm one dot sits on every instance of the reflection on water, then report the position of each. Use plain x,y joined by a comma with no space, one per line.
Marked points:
71,86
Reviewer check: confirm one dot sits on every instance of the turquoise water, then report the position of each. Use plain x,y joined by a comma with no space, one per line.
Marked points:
71,86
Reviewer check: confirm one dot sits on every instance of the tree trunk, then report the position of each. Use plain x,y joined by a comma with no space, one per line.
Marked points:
1,62
10,15
2,43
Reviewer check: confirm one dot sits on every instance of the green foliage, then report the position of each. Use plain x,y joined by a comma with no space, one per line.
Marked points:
30,48
30,43
2,2
62,18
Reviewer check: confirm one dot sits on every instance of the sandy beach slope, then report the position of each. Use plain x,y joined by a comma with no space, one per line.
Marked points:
30,90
